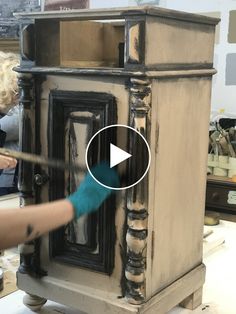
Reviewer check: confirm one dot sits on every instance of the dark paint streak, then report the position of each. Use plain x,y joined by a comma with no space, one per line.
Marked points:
25,84
123,255
136,261
139,45
29,230
138,215
30,262
133,70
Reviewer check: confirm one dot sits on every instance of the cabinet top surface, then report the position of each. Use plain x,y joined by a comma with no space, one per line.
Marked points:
118,13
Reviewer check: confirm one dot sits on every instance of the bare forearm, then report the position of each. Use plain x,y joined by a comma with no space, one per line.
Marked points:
24,224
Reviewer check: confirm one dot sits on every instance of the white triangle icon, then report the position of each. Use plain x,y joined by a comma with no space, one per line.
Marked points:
117,155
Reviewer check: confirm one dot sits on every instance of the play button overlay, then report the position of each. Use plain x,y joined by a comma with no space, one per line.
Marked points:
124,149
117,155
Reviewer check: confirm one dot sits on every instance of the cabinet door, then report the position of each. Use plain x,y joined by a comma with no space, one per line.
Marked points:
73,119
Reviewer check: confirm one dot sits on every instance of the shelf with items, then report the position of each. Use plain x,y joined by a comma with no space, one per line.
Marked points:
222,149
221,167
221,194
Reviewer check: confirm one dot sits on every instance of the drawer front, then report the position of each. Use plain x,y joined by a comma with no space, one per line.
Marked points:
221,197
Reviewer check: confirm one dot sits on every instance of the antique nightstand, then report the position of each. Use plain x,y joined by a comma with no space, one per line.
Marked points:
146,67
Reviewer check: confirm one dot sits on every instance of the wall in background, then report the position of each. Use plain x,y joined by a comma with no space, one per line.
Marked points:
8,24
224,83
7,7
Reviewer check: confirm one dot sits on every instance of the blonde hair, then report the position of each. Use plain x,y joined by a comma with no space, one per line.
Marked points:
8,81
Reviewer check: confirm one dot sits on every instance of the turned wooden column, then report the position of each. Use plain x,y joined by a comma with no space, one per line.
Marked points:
26,170
140,92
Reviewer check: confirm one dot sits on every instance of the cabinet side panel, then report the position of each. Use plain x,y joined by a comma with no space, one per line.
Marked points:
183,109
47,43
173,44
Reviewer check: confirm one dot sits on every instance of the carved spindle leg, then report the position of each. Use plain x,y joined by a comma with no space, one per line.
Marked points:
137,196
25,183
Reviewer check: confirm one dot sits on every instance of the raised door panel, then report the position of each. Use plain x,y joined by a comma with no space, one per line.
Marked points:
73,119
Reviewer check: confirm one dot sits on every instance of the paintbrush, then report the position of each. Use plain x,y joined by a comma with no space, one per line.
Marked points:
36,159
53,163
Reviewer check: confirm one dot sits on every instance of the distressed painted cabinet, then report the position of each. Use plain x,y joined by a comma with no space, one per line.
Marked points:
146,67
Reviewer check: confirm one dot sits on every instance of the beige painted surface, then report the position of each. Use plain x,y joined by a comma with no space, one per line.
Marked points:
151,195
63,271
177,215
93,300
178,42
183,108
102,48
74,40
134,39
216,15
176,179
112,36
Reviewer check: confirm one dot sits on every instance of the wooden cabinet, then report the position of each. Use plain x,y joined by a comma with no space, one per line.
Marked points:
144,67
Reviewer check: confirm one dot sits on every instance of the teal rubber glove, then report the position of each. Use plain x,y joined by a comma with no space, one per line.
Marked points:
90,194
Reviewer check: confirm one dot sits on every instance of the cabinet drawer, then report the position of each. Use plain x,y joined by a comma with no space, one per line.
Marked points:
221,196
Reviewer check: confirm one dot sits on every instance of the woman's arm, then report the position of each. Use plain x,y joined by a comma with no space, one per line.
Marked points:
24,224
19,225
7,162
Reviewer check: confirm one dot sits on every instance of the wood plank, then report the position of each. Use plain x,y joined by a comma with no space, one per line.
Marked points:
116,72
47,43
181,43
183,109
74,43
118,13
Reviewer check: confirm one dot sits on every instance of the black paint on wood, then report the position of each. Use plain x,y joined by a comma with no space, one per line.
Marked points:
62,103
29,230
139,45
25,169
30,262
217,194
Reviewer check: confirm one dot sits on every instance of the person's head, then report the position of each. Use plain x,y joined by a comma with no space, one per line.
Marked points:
8,81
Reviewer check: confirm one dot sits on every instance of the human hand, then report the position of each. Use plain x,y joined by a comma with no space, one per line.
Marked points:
90,194
7,162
